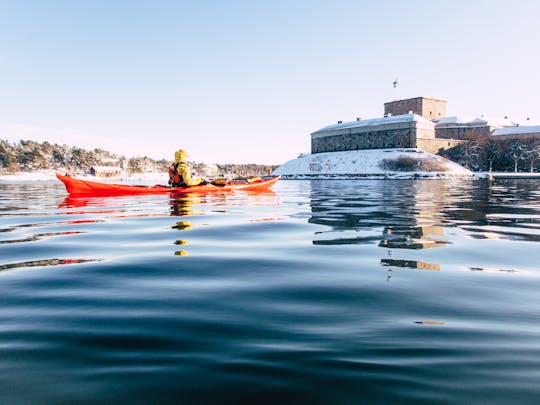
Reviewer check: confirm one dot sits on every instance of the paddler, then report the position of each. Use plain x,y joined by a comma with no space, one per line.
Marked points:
179,172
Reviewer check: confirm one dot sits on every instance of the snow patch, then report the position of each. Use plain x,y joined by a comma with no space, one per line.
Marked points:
376,163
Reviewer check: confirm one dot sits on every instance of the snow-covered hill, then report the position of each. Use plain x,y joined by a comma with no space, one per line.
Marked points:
387,163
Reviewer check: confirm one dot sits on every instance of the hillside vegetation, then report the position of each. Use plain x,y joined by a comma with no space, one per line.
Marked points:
29,156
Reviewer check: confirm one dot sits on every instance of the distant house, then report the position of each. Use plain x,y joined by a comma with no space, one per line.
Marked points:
105,171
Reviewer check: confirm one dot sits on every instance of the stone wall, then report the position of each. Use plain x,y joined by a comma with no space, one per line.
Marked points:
399,107
437,145
387,132
398,138
402,138
480,133
433,109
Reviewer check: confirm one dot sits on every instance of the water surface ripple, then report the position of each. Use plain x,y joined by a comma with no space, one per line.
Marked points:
315,292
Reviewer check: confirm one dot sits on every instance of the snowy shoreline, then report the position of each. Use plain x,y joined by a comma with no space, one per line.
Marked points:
372,163
151,178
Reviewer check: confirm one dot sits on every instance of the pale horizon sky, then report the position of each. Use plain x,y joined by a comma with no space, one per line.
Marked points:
248,81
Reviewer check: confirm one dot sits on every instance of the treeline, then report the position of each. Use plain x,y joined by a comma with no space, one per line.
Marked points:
28,156
244,170
511,155
31,156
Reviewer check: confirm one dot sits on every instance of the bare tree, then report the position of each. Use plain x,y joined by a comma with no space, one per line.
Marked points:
492,151
516,152
469,155
135,165
533,153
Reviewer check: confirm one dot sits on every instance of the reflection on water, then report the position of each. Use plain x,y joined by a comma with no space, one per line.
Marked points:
186,205
401,237
416,214
40,263
37,236
182,226
412,264
318,292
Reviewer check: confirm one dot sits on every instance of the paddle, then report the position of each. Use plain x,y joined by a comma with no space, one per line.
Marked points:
222,181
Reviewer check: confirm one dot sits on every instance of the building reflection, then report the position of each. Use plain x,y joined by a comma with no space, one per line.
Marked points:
407,218
415,237
393,215
411,264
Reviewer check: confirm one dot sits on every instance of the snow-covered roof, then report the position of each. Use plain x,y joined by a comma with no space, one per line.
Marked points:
455,120
525,129
390,119
460,121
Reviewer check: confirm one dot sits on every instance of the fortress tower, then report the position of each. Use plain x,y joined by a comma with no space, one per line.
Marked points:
429,108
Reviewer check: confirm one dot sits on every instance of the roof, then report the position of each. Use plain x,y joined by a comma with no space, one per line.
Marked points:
526,129
460,121
455,120
390,119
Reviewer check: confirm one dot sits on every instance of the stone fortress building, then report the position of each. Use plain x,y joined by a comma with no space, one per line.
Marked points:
418,122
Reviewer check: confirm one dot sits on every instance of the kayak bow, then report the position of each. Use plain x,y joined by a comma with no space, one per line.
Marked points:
79,186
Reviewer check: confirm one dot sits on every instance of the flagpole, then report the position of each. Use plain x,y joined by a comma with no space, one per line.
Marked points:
395,84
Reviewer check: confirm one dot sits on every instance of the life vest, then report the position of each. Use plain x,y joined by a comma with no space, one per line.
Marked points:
175,178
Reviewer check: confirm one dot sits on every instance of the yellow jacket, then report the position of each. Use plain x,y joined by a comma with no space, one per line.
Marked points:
182,177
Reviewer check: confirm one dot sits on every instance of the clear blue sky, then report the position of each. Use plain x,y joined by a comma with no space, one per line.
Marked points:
248,81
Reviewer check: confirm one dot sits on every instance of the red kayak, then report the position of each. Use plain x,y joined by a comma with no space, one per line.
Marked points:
78,186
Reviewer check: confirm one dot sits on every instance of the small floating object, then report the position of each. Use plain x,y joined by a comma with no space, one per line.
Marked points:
439,323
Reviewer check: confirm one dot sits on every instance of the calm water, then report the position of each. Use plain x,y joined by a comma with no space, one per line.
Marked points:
317,292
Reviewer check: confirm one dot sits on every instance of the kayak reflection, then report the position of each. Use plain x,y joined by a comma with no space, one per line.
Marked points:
182,226
188,209
182,206
186,205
